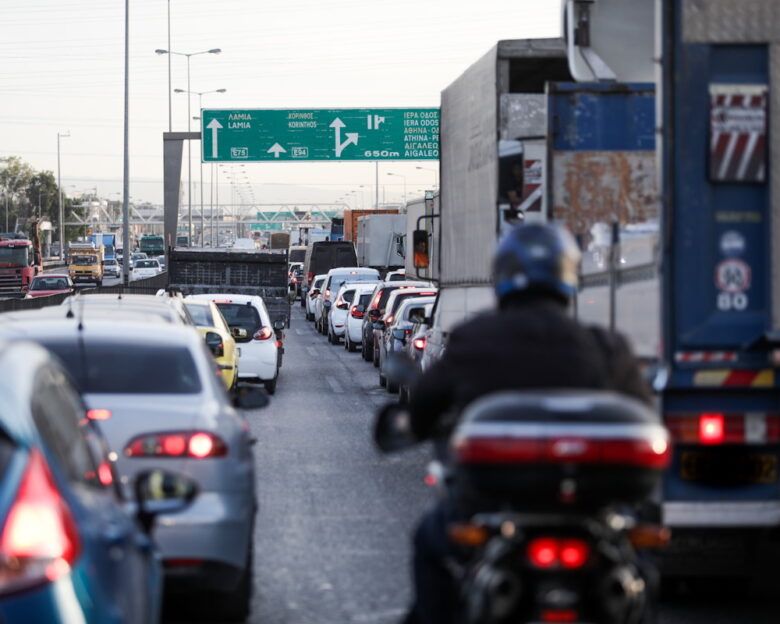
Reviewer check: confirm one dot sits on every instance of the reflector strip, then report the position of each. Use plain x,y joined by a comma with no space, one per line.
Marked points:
705,356
734,378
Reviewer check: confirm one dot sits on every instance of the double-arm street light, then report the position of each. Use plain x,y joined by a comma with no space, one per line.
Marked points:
398,175
189,129
200,95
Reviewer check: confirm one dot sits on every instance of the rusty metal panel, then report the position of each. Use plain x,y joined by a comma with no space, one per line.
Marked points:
604,187
731,21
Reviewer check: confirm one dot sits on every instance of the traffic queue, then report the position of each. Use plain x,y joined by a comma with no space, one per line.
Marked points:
127,464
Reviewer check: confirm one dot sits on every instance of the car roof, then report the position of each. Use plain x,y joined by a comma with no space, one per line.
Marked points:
57,312
224,297
352,270
414,301
134,330
364,286
52,275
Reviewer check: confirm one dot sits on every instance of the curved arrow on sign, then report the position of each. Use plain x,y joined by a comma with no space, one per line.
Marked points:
352,137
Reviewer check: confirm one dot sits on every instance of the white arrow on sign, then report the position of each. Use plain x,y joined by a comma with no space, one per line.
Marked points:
276,149
352,137
214,125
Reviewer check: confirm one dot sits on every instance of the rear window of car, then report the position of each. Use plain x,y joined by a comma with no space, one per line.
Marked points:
364,299
147,264
383,295
318,283
399,299
241,315
397,277
201,315
144,369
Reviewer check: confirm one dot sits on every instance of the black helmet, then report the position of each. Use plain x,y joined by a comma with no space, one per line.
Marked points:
536,258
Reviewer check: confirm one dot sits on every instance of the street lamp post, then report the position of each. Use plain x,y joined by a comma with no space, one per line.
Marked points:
200,95
189,129
59,198
435,174
398,175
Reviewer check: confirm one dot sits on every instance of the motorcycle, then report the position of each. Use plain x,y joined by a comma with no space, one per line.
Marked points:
555,480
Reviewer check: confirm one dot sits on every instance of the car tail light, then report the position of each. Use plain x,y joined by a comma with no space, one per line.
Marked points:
264,333
39,541
309,278
98,414
711,429
356,313
389,320
197,444
105,474
375,302
419,343
553,553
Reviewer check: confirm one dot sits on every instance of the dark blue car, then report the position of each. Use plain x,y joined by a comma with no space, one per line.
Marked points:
71,548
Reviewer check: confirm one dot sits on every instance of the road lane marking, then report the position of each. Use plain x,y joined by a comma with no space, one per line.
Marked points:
334,384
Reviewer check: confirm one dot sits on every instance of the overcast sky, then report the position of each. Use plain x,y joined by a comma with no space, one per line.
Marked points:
61,70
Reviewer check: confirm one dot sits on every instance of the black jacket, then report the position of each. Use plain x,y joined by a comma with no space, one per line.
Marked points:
530,344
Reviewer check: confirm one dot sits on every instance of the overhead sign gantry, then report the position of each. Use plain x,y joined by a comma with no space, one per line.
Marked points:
353,134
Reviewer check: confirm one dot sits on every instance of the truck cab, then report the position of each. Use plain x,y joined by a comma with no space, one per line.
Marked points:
85,263
20,262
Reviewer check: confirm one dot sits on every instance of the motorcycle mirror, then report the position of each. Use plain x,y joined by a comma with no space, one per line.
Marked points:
401,369
161,492
392,429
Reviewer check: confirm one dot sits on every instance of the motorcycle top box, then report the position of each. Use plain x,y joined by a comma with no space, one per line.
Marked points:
578,448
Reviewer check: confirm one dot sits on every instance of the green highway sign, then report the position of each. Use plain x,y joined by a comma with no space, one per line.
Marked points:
266,227
320,134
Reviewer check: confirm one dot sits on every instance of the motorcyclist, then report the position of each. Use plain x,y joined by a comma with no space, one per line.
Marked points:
530,341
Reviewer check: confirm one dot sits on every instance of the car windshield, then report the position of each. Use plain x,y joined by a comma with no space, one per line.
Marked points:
109,262
13,255
138,256
147,264
241,315
145,369
201,315
49,283
84,260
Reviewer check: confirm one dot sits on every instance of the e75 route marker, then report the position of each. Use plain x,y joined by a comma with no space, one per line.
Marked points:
350,134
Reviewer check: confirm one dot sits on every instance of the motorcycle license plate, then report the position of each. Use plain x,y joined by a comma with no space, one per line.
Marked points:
728,469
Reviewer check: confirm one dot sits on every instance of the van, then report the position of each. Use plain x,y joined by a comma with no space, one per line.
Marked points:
323,256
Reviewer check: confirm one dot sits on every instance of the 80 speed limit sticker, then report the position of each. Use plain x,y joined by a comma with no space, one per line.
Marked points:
732,277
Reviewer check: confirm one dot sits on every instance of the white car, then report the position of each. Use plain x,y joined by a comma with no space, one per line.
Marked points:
146,268
311,297
334,280
111,267
340,311
353,332
259,354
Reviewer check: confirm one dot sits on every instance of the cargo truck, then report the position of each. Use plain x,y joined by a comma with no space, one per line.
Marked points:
493,128
85,262
20,262
240,271
380,241
720,284
350,224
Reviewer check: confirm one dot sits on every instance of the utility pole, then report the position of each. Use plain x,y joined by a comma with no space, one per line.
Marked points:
59,199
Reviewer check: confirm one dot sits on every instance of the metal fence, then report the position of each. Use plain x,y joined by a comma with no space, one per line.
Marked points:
148,286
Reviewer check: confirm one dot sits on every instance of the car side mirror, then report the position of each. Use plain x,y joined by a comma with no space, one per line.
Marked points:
248,397
161,492
420,248
392,429
238,332
214,343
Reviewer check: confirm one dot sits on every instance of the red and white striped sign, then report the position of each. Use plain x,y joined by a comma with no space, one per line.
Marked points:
738,133
532,186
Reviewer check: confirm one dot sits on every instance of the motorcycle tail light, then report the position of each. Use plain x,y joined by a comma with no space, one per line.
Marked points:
468,534
559,615
264,333
197,444
39,541
556,553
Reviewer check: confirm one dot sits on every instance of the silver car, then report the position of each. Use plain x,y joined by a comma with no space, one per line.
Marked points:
154,391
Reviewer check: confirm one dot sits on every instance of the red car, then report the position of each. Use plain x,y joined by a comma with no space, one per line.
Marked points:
51,284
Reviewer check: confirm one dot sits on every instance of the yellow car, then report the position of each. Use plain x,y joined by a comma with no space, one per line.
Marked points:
211,324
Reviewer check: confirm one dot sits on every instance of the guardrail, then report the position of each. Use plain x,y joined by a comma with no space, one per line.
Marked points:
148,286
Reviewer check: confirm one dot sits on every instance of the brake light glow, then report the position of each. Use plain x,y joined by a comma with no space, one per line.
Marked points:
711,429
197,444
653,453
559,615
552,552
264,333
279,344
389,320
104,473
98,414
419,343
39,541
356,313
375,302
